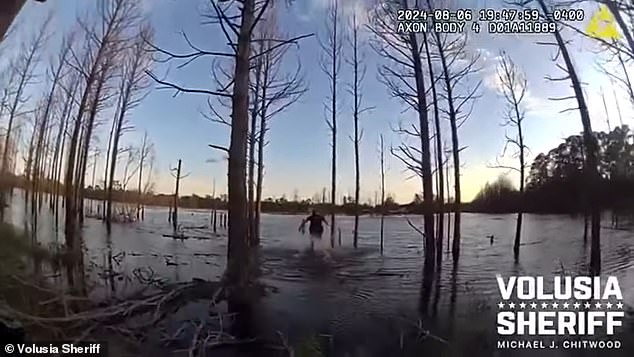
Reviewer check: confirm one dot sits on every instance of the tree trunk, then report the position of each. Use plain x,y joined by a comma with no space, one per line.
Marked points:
357,184
44,166
428,193
439,146
252,142
333,183
518,227
28,169
69,199
357,138
47,111
106,180
237,250
73,167
455,248
101,81
144,154
382,189
214,213
58,174
92,184
175,210
72,189
591,162
41,158
260,177
116,136
12,115
334,75
139,188
448,203
60,143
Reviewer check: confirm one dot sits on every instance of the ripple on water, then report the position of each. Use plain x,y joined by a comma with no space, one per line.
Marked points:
346,290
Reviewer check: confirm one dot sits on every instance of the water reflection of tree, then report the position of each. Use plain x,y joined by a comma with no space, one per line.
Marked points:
453,297
75,269
425,293
242,303
434,313
110,266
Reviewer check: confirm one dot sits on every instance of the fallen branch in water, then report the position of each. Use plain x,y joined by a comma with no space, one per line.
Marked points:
114,315
176,236
132,319
194,344
414,226
422,333
58,294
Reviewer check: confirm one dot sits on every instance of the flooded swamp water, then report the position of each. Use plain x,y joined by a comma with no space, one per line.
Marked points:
356,302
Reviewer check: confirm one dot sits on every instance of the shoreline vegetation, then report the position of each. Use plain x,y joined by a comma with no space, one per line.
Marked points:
555,185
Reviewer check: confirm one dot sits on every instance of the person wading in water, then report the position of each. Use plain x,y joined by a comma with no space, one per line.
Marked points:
315,228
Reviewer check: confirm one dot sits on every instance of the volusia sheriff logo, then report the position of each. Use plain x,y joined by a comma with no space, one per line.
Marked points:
602,25
574,307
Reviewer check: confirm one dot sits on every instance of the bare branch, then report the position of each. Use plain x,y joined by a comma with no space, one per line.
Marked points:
178,89
217,147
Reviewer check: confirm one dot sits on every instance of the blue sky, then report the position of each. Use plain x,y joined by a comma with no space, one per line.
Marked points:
297,157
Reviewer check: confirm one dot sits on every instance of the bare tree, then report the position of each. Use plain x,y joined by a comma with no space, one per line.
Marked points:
127,35
176,173
590,141
69,91
148,186
7,78
36,115
255,108
403,75
133,87
95,160
131,166
513,89
440,182
356,89
145,154
330,64
24,67
447,177
56,72
280,88
382,162
457,67
237,246
97,103
239,38
103,40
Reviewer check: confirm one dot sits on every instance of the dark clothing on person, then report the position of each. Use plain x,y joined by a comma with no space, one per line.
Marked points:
315,228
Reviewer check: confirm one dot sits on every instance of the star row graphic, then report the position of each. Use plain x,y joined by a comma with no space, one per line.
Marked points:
565,305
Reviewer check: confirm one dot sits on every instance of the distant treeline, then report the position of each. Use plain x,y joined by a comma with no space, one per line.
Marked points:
556,181
277,205
555,184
